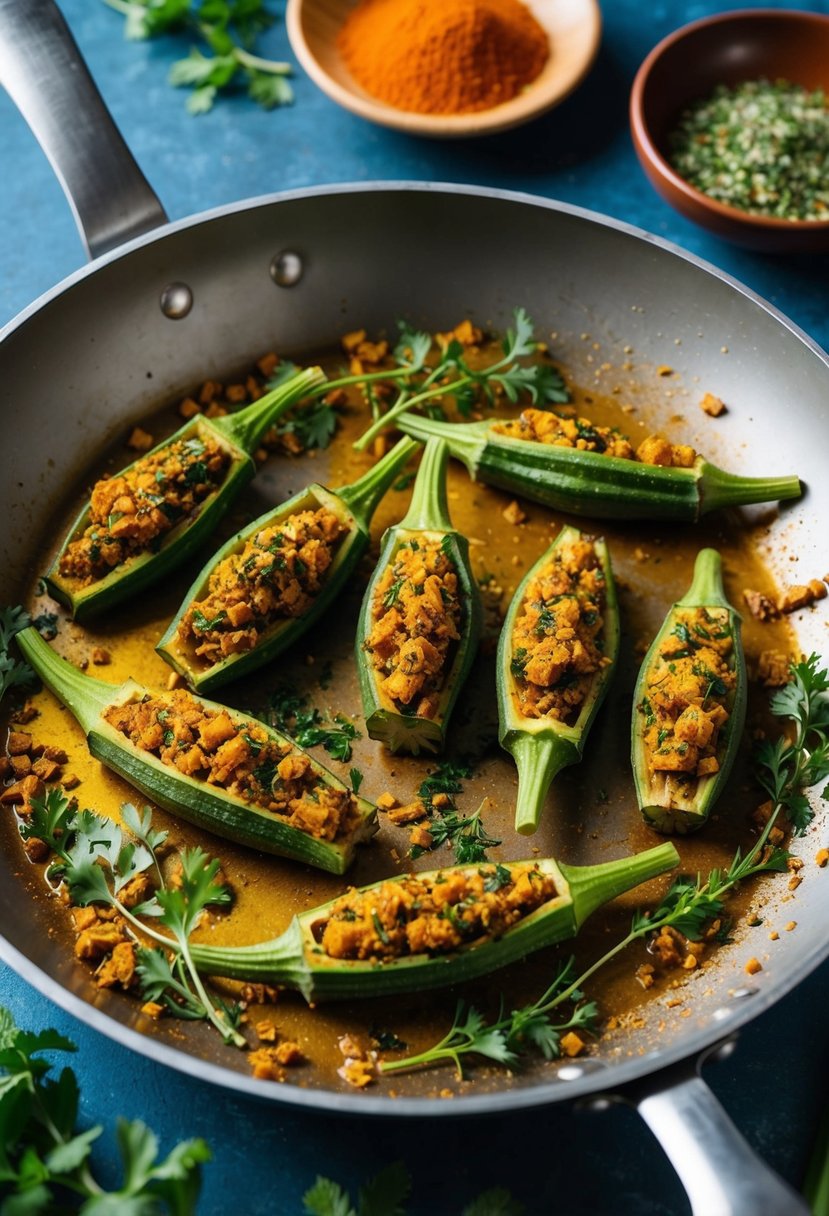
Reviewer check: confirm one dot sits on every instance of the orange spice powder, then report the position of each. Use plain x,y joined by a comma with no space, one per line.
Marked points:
443,56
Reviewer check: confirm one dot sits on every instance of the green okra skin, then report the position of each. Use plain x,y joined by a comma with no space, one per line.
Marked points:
670,804
296,960
239,434
354,505
206,806
426,521
591,484
541,747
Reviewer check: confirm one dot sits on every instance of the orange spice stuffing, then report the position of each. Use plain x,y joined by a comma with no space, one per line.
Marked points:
452,58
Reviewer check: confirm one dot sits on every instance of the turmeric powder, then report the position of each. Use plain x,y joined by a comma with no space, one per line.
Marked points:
450,58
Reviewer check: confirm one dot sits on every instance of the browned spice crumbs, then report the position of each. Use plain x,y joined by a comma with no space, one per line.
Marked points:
760,606
712,406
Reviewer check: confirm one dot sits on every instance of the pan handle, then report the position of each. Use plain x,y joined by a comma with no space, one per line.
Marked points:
721,1173
43,72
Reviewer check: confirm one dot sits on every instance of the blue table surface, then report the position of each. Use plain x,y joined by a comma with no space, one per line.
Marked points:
558,1160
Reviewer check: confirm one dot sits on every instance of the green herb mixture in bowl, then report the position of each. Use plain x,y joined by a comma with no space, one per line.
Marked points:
730,120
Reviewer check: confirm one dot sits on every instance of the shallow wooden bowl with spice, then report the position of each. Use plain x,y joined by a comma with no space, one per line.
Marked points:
459,96
758,45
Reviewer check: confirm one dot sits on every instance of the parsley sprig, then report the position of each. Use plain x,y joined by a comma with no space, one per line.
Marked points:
44,1160
228,29
451,375
13,672
96,860
786,768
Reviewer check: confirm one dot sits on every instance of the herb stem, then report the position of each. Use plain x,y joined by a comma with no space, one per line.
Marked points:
274,66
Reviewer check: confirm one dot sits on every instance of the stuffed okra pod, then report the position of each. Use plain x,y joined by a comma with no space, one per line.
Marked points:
272,580
143,522
689,705
571,465
556,655
217,768
418,931
420,621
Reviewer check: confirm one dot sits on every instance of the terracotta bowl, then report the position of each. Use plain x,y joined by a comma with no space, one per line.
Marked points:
686,66
573,27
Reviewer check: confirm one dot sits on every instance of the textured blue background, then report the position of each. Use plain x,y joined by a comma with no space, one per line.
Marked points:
557,1161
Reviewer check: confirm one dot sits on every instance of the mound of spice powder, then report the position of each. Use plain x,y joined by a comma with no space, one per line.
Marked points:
443,56
762,146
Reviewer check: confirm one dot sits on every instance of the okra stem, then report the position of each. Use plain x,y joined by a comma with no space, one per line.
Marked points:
428,510
717,488
280,962
85,696
363,495
246,427
706,588
593,886
539,759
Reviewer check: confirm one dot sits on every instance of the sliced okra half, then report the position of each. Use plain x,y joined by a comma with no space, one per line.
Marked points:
689,706
572,465
556,655
213,766
420,621
419,931
275,578
141,523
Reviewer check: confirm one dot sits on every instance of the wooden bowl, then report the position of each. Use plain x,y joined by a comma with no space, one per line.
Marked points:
573,26
687,66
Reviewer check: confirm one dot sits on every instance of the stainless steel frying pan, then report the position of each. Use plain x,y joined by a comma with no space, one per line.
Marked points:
194,298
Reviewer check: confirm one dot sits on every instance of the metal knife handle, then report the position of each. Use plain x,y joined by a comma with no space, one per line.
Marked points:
721,1173
42,70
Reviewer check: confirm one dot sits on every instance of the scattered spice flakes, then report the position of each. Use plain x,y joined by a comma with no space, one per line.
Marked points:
712,406
664,369
101,657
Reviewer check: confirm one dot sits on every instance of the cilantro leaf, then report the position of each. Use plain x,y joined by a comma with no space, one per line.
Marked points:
43,1158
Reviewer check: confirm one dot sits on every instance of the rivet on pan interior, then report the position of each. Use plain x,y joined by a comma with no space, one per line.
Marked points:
287,268
740,993
176,301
